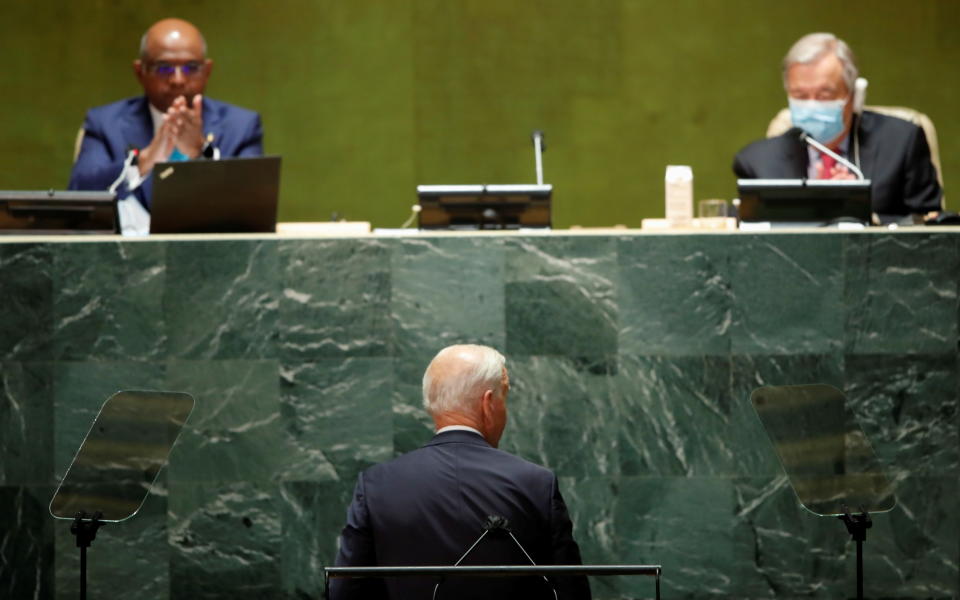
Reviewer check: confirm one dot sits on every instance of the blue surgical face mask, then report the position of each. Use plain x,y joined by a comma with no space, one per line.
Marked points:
822,119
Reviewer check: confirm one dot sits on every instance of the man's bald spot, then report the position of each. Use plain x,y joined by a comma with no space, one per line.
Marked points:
454,361
172,29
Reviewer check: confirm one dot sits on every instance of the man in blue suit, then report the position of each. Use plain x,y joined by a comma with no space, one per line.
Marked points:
171,121
429,506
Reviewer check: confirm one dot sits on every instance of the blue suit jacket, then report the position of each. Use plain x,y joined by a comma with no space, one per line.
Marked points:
428,506
110,131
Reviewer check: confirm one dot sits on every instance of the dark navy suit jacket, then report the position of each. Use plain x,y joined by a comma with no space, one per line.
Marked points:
110,132
894,155
428,506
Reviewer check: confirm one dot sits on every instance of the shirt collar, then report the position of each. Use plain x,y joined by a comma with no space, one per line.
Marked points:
157,117
458,428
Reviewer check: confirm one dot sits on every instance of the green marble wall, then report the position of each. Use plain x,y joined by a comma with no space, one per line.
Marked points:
632,359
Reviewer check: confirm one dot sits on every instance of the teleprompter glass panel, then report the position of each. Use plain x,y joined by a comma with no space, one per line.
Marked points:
828,459
120,458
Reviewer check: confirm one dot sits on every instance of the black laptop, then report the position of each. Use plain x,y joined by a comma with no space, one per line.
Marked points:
231,195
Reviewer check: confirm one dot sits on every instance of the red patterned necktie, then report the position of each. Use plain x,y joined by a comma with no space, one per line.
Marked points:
828,162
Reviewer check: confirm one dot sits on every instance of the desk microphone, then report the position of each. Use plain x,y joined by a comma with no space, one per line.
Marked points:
414,211
539,147
133,155
805,137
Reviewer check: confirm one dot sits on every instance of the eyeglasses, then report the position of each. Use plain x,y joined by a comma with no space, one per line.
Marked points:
165,69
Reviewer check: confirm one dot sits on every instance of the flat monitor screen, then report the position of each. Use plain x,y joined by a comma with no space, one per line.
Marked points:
472,207
57,212
231,195
804,201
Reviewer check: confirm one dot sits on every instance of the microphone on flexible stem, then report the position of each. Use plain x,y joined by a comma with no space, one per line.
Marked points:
414,211
539,147
498,525
133,155
805,137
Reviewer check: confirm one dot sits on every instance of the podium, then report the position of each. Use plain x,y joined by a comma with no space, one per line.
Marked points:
491,571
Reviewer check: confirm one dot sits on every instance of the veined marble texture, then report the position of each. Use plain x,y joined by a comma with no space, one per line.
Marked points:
632,360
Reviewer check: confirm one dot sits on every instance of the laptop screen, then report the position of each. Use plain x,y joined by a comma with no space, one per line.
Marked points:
232,195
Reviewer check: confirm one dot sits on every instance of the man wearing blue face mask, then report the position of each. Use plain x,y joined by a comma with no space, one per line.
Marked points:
819,72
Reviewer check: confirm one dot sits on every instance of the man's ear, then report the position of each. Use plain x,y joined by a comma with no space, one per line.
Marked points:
486,407
138,69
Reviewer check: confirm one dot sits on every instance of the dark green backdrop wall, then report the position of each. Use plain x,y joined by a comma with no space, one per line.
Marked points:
365,99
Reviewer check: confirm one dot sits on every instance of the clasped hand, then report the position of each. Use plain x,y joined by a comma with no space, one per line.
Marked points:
182,128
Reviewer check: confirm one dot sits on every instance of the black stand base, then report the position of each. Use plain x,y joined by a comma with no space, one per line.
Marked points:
857,526
84,528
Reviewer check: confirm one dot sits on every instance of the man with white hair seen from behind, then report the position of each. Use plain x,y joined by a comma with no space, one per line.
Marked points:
819,76
429,506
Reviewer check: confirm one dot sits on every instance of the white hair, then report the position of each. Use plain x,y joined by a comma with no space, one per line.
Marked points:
467,371
813,46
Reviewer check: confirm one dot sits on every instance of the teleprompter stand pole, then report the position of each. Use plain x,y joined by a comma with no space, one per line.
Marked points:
857,526
85,528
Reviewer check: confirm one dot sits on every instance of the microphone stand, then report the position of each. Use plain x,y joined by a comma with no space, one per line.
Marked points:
500,525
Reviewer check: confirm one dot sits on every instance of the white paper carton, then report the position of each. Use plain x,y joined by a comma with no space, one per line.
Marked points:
678,195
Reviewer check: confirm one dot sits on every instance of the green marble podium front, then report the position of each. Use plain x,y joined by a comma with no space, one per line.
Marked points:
632,360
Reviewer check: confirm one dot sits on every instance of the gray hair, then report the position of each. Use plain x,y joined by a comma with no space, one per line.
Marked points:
813,46
474,370
143,45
